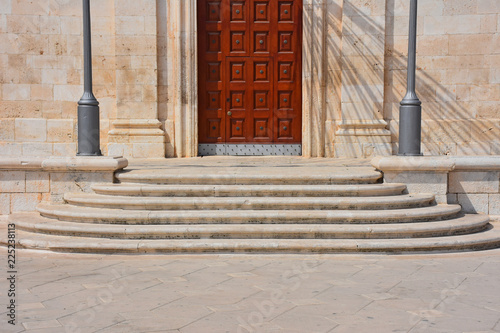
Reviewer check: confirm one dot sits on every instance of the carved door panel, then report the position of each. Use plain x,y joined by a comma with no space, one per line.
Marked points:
250,71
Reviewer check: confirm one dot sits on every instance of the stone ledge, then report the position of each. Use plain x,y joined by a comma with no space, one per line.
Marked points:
137,123
77,163
476,163
413,163
363,123
87,163
437,163
21,163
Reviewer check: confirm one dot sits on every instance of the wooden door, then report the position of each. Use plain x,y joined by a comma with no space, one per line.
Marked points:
249,57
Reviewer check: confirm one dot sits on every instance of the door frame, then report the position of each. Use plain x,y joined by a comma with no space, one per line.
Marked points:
183,50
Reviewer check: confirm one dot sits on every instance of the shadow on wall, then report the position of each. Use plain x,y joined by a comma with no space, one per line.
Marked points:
362,52
452,125
368,44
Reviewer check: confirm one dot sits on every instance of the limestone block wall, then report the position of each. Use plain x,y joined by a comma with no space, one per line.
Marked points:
477,191
22,190
470,181
145,76
27,181
458,76
41,74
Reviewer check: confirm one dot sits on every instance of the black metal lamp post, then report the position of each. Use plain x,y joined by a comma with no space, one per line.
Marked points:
88,106
410,110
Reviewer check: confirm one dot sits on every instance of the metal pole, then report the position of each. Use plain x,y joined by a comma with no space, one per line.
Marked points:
88,106
410,109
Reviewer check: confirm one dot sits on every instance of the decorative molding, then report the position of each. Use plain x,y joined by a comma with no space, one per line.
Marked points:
185,67
362,132
137,127
354,138
64,164
137,138
314,27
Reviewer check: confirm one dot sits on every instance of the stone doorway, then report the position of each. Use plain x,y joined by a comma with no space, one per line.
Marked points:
184,55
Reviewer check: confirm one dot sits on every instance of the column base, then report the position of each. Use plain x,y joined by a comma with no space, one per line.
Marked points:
137,138
362,139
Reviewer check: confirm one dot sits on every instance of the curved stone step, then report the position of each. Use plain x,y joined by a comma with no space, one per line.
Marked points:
361,190
253,175
35,223
477,241
118,216
248,203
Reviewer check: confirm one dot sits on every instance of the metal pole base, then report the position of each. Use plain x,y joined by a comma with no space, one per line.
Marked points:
88,131
410,126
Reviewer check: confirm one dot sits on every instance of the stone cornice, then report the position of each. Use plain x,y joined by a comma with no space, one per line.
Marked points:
436,163
64,164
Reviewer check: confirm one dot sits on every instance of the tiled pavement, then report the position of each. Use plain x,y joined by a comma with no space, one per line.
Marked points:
457,292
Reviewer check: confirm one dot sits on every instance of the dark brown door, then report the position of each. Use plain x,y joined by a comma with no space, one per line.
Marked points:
249,57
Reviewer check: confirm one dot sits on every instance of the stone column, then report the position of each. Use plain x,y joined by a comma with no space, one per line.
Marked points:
136,132
362,130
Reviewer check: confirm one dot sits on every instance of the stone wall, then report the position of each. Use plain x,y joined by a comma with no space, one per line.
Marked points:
27,181
145,76
471,181
41,74
458,76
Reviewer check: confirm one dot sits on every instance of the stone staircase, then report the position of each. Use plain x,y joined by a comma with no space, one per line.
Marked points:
294,209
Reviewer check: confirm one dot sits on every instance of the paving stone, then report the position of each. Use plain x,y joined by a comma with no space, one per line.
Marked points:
360,323
336,302
488,302
470,319
41,324
44,330
55,289
28,306
467,284
219,322
180,313
144,325
301,320
221,295
424,327
87,320
204,280
182,268
265,306
497,327
25,297
149,296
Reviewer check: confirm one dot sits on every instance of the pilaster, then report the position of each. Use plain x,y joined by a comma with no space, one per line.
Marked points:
140,138
313,78
183,87
362,131
136,131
